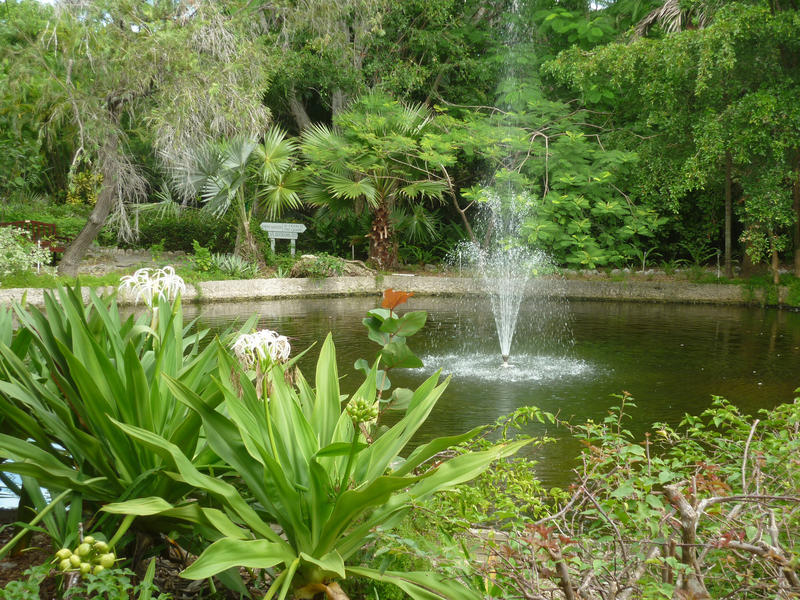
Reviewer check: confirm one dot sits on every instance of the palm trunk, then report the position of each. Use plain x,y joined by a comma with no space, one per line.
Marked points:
246,245
382,249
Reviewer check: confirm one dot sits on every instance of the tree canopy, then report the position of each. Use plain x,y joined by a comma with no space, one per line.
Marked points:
633,127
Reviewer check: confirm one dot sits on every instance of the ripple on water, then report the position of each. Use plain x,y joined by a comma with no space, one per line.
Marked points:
522,367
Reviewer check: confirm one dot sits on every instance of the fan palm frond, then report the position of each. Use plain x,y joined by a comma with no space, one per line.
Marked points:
282,193
418,224
275,153
352,189
673,17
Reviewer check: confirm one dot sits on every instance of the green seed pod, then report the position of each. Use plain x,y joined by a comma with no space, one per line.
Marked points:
75,560
65,565
101,547
89,540
98,569
85,568
63,553
107,560
83,550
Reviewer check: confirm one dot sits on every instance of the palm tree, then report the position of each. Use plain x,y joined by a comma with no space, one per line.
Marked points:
248,177
379,155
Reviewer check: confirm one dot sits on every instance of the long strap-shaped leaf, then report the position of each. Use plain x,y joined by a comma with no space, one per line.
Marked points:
226,492
226,553
419,585
277,494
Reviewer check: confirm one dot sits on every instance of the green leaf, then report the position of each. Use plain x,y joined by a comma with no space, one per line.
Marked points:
327,407
339,449
397,354
331,562
226,553
419,585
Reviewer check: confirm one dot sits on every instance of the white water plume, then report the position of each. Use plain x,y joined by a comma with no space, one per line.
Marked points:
506,264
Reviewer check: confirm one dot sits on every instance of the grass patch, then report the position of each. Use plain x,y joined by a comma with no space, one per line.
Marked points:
45,280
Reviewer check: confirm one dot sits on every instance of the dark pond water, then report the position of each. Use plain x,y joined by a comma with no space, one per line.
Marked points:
566,359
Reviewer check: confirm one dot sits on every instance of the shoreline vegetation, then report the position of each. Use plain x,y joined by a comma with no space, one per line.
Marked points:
621,285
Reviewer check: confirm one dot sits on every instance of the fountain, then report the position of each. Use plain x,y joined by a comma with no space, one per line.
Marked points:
506,265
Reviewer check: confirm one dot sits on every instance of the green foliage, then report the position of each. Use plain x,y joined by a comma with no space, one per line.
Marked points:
246,178
28,588
313,472
233,266
18,254
109,584
202,260
178,231
73,372
68,219
390,331
84,186
29,279
726,475
322,266
379,154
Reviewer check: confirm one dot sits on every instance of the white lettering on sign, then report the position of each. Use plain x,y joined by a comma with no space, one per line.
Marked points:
283,227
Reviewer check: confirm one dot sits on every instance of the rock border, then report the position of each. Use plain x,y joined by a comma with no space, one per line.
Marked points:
574,289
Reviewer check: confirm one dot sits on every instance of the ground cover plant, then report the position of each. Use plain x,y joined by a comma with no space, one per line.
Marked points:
708,509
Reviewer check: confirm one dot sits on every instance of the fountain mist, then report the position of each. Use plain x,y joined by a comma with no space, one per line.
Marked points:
506,266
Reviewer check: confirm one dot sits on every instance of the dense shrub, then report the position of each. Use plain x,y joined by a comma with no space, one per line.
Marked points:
178,232
69,219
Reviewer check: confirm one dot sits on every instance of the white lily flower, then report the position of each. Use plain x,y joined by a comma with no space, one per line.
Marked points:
262,346
150,284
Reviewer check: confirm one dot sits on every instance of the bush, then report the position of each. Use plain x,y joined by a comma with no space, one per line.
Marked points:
234,266
69,219
318,267
178,232
18,254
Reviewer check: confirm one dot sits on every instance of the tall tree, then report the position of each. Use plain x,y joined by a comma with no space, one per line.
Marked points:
378,155
177,71
689,99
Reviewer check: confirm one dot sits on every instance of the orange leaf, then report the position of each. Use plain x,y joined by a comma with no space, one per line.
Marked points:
392,298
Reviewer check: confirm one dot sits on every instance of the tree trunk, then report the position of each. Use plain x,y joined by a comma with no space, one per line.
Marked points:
728,217
105,200
796,207
775,265
382,249
298,111
246,245
338,100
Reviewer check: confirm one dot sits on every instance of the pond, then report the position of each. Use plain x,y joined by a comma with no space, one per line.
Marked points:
571,360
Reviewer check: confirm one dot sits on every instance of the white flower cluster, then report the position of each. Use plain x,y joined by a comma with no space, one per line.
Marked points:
149,284
265,345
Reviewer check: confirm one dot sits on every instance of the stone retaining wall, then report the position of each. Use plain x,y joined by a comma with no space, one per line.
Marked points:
576,289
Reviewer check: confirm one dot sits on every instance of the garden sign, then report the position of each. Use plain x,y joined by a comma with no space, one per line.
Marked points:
282,231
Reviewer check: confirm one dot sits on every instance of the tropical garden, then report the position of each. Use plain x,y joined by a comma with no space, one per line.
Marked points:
154,458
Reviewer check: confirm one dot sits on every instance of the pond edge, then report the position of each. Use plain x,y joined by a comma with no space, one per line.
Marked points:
572,289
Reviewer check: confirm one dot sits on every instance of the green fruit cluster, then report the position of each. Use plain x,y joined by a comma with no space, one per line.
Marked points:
91,556
362,410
